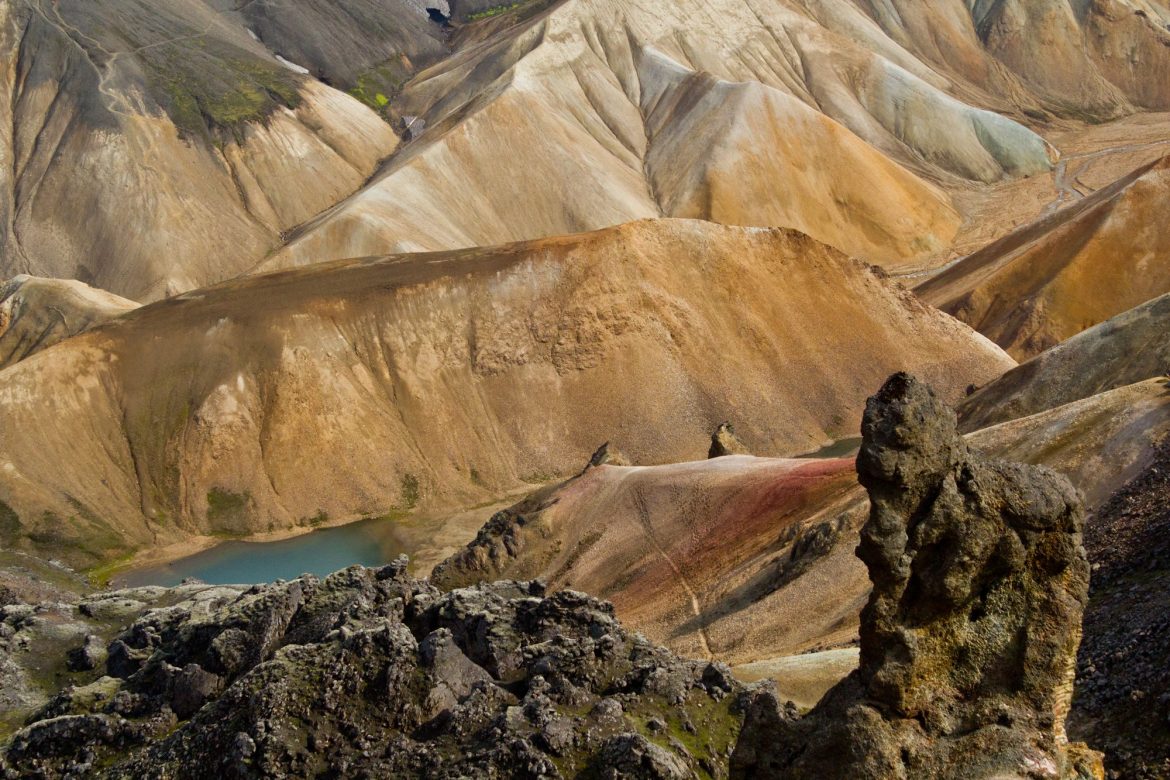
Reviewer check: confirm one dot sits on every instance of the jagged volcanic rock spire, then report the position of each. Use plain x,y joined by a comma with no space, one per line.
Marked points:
969,638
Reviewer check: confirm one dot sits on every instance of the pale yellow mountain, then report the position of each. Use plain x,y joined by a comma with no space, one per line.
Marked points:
1067,271
747,113
36,313
368,387
191,139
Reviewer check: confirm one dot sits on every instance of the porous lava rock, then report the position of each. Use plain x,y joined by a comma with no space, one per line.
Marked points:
969,637
371,673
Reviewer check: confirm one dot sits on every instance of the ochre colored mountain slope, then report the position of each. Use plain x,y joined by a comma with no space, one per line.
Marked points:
1066,272
359,387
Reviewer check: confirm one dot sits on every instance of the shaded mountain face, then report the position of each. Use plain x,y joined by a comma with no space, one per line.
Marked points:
1066,272
447,379
366,47
152,147
1128,348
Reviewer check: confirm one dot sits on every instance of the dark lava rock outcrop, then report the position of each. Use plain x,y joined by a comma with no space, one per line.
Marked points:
370,673
969,638
1122,702
725,442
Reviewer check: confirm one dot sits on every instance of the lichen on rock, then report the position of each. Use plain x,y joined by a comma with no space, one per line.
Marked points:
969,637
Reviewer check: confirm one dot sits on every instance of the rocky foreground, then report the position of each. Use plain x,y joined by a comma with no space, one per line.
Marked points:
968,647
1123,669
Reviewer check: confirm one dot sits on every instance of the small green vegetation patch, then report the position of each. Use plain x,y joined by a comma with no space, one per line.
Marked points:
212,91
376,86
496,10
319,519
9,524
411,491
224,506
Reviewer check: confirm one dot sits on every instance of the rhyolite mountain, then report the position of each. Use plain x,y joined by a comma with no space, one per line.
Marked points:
273,266
190,141
36,313
443,380
1051,279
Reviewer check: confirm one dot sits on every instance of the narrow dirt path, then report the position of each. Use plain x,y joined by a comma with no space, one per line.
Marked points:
1063,179
116,102
696,608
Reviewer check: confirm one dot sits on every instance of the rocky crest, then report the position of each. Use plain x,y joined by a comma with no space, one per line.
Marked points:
969,638
371,673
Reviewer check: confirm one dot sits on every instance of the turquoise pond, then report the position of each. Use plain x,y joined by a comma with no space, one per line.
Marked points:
368,542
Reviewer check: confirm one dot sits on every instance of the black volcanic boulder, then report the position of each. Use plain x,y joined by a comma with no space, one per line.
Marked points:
969,638
725,442
371,673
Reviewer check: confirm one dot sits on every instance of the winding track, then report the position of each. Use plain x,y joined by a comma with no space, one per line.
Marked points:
696,608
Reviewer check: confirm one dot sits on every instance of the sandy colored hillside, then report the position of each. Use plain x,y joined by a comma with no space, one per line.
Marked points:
36,313
1067,271
751,559
365,386
695,109
1128,348
715,557
1095,59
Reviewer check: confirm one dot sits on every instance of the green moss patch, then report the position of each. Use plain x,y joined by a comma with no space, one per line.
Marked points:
227,511
9,524
378,85
496,10
221,97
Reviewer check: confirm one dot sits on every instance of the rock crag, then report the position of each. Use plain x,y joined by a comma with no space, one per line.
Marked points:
370,673
725,442
969,638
